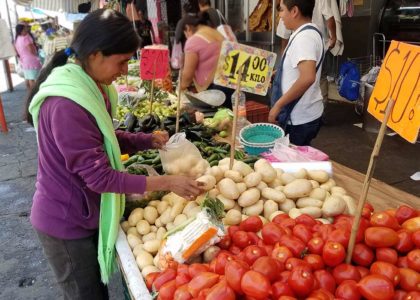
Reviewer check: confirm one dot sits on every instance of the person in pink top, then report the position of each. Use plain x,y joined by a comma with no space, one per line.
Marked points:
28,54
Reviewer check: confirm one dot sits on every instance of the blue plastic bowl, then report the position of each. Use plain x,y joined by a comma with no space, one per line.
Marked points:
259,137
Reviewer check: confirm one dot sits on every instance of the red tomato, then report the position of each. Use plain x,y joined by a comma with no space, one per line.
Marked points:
221,291
252,253
348,290
306,220
284,276
340,235
400,295
240,239
294,244
281,253
164,277
315,245
252,223
286,298
221,260
412,224
402,262
167,290
325,280
409,280
195,269
321,294
302,232
287,224
202,281
301,281
269,267
344,272
325,231
281,289
404,213
254,238
150,278
182,269
413,259
363,271
405,243
271,233
376,287
226,242
234,271
415,237
315,261
387,254
362,255
412,296
203,294
369,206
181,279
385,220
232,229
388,270
277,219
255,285
380,237
333,254
182,293
294,262
268,248
235,250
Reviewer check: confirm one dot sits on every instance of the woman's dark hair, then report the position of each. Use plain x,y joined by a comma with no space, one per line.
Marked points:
202,18
19,28
306,7
191,7
104,30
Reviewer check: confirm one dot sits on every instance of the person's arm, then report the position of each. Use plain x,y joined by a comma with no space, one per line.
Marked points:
307,76
133,142
332,32
190,65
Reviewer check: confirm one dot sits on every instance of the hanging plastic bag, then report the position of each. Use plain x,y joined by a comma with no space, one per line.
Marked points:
177,56
225,29
181,157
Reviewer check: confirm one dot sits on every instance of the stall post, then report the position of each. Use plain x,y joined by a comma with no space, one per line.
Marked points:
178,102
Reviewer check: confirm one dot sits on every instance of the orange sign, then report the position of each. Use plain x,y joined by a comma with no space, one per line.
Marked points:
399,79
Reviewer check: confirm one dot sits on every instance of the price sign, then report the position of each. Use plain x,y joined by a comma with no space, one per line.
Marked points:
151,59
258,67
399,79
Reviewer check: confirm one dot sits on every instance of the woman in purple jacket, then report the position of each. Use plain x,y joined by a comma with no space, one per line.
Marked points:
73,167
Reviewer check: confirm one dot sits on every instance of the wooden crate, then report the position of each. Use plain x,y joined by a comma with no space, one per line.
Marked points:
256,112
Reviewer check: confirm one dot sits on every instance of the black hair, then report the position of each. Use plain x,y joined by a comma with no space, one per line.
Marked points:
204,2
19,28
104,30
203,18
306,7
191,7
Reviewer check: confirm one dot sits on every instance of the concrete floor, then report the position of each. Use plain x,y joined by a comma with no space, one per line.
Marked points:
24,272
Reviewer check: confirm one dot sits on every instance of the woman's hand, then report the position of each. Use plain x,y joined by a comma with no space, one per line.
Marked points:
159,139
274,112
184,186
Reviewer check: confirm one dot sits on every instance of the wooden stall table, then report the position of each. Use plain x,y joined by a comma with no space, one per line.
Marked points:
381,195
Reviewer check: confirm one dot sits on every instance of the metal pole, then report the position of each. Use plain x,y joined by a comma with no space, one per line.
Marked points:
273,24
247,33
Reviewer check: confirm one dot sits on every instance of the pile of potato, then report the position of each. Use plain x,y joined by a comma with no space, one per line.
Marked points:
267,192
146,227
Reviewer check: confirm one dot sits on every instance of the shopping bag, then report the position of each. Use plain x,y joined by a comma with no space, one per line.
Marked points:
225,29
177,56
181,157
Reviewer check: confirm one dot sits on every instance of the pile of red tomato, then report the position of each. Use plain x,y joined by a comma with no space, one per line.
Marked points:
304,259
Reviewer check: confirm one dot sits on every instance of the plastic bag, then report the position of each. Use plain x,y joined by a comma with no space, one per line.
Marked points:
225,29
177,56
181,157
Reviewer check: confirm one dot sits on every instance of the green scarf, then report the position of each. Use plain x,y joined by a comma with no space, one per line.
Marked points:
70,81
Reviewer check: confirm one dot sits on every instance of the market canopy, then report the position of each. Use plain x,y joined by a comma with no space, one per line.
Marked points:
70,6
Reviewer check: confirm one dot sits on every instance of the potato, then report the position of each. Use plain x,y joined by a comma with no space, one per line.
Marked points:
149,269
279,188
350,205
170,226
242,168
133,240
158,223
249,197
190,205
135,216
125,226
234,175
148,237
162,206
176,210
137,249
267,172
216,172
269,207
223,168
298,188
333,205
165,218
233,217
252,179
319,175
179,219
314,212
133,231
338,190
301,174
262,185
227,188
200,198
225,161
323,221
287,178
328,185
193,212
318,193
275,214
287,205
244,217
152,246
227,203
279,172
213,193
315,184
143,227
294,213
264,220
274,195
153,228
144,259
156,261
237,207
210,254
153,203
208,180
150,214
308,202
241,187
275,183
160,233
254,210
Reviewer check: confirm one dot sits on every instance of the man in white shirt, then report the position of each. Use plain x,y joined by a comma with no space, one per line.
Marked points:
296,98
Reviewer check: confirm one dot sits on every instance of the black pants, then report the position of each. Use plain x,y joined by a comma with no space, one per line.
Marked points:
302,135
75,265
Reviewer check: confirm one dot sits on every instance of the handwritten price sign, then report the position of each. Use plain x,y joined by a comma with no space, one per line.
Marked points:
399,79
154,63
258,67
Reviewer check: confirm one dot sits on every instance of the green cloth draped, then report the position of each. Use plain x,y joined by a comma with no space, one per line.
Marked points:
71,82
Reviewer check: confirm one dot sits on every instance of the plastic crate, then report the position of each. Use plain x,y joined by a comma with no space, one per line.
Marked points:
256,112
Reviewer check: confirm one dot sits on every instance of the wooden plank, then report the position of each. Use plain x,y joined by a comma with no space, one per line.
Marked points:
381,195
